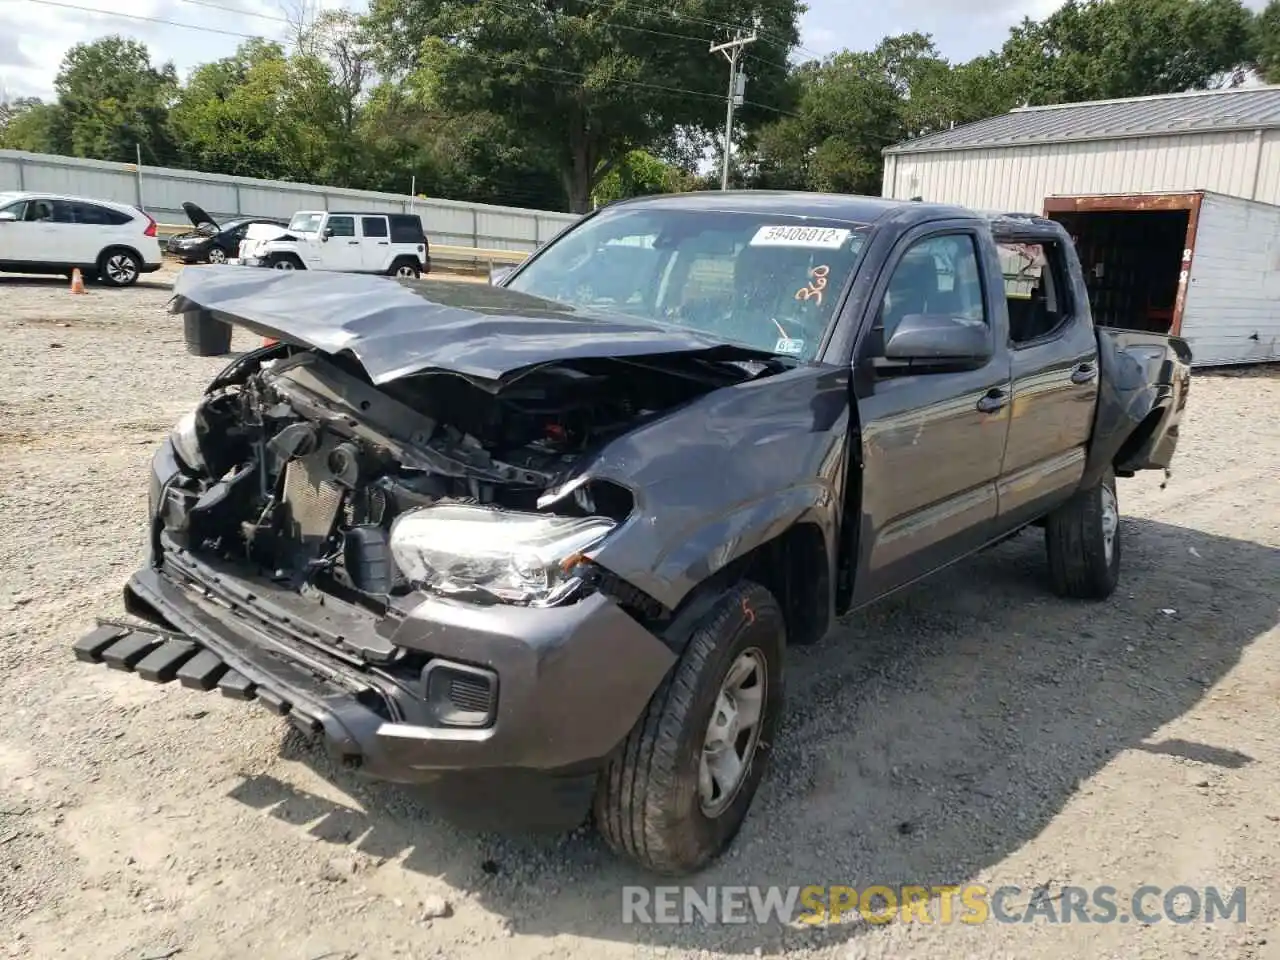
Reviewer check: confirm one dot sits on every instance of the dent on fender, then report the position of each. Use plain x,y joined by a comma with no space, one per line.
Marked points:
723,475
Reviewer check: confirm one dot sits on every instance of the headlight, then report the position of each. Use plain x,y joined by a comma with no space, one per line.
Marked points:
516,557
186,444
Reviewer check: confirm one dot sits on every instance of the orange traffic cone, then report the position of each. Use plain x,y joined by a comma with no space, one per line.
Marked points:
77,281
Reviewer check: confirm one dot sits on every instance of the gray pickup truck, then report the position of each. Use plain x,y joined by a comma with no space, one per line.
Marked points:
540,546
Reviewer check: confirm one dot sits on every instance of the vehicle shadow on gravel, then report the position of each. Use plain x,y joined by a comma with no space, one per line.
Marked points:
928,738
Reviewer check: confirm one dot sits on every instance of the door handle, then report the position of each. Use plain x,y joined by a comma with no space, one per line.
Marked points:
994,400
353,243
1085,373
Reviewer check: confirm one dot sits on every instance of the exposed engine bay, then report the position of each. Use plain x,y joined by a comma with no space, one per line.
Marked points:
296,465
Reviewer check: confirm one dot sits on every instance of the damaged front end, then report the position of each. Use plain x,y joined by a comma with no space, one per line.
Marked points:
297,466
407,568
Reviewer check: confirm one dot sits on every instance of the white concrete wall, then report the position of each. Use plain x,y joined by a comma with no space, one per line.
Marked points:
162,192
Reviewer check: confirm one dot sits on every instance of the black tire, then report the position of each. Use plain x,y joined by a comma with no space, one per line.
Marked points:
204,335
284,261
217,255
406,268
1081,565
119,267
648,804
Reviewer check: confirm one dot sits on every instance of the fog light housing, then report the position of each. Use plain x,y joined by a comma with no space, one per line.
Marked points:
460,695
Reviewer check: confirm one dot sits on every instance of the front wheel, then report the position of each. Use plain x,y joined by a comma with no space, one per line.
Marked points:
1083,540
677,790
284,262
217,255
119,268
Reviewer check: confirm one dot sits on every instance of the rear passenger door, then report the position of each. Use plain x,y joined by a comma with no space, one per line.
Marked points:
375,252
932,440
1054,355
85,229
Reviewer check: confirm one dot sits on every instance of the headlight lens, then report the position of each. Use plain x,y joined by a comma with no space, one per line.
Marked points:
187,444
516,557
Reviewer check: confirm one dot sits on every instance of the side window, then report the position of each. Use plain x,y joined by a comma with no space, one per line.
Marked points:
18,210
342,226
1033,289
373,226
39,211
938,275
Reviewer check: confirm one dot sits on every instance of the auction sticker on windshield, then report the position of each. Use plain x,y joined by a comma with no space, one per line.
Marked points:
822,238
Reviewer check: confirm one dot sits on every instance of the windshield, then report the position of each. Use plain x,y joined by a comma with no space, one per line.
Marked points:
306,222
765,280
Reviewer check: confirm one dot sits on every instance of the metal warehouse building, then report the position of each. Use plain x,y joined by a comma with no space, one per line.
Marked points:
1173,204
1225,141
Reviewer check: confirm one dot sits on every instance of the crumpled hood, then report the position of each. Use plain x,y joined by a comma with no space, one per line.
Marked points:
398,328
267,231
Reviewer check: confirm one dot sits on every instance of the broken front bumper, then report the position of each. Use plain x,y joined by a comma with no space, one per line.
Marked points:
565,684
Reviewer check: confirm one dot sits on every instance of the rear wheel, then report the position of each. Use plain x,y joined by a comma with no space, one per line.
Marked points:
119,268
405,270
678,788
1083,540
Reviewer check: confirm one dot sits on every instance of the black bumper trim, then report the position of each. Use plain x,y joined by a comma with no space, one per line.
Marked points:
161,664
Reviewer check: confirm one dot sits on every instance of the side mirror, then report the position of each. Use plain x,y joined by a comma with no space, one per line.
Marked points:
8,216
326,233
498,274
939,338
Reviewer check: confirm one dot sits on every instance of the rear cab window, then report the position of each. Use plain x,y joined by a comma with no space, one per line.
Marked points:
374,227
1035,288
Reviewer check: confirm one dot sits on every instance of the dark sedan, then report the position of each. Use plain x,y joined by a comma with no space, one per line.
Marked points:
211,241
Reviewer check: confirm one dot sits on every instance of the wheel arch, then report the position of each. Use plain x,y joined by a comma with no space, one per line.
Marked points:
124,248
792,565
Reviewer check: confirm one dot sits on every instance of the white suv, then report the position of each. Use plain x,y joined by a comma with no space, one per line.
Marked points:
392,244
47,233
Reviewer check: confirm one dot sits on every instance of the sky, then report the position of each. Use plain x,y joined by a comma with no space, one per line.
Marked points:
35,35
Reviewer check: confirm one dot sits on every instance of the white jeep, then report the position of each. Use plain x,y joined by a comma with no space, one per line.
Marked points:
392,244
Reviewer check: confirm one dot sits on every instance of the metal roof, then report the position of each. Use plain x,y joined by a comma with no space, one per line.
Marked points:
1248,108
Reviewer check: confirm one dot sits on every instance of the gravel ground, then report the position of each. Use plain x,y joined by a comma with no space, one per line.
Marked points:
972,728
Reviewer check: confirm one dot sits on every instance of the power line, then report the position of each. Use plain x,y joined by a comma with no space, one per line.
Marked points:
139,17
241,13
639,84
625,83
641,7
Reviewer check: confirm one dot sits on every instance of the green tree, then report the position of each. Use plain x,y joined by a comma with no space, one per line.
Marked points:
30,124
113,101
1106,49
640,174
586,81
1266,42
229,118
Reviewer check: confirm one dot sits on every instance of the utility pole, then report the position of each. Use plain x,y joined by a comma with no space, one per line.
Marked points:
732,50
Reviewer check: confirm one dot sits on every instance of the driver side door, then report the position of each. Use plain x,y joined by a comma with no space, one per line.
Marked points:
932,438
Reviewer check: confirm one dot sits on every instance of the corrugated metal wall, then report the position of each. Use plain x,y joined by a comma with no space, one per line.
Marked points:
162,192
1232,309
1243,164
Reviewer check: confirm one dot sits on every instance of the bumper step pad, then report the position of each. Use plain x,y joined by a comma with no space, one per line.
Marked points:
162,658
